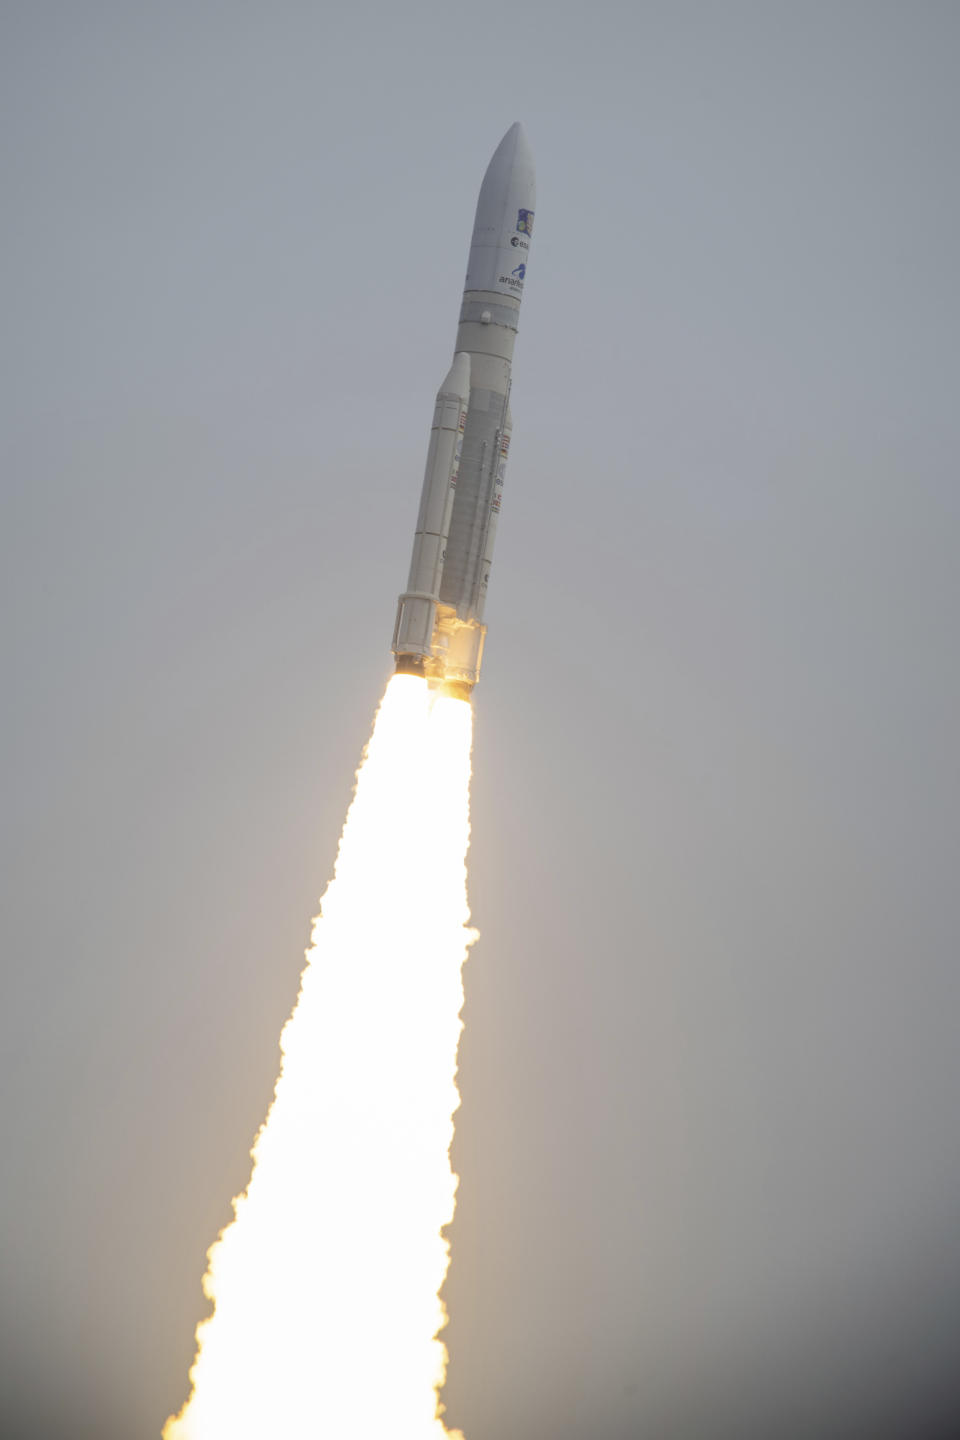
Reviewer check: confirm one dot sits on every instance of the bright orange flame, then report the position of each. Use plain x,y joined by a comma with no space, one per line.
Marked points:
326,1284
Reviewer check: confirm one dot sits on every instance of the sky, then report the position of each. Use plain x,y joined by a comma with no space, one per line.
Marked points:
708,1145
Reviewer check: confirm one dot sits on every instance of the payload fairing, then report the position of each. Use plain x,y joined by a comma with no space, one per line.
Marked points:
439,631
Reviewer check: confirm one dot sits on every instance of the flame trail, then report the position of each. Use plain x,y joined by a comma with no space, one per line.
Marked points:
326,1284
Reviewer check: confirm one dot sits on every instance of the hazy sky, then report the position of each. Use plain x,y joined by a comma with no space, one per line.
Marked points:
709,1144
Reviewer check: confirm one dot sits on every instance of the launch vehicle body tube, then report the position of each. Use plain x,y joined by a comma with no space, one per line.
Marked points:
417,611
439,631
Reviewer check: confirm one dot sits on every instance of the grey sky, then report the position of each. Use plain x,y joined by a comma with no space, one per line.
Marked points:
710,1172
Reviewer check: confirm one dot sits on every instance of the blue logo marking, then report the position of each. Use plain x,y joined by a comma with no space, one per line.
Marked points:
520,271
525,221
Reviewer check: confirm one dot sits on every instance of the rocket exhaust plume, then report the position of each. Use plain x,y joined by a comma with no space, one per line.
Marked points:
326,1284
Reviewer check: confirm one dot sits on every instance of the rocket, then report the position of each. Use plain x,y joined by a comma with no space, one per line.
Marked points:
440,632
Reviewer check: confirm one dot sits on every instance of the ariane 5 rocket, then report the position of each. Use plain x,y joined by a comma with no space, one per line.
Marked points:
439,632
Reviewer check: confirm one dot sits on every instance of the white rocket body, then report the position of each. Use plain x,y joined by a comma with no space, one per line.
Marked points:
439,631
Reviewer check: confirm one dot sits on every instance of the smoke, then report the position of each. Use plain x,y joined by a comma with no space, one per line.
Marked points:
326,1284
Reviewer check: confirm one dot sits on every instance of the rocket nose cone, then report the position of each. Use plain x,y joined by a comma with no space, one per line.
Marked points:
522,151
509,174
503,224
513,152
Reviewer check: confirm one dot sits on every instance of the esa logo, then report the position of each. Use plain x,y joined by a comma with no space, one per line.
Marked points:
515,240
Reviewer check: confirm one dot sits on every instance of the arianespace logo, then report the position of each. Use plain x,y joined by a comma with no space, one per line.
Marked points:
525,222
514,279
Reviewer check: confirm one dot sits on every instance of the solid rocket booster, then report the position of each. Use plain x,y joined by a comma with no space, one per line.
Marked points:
439,631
